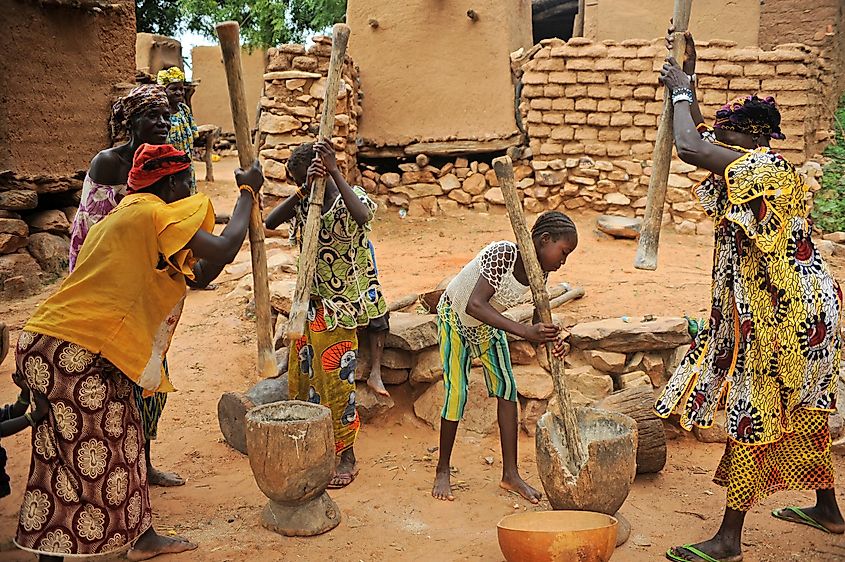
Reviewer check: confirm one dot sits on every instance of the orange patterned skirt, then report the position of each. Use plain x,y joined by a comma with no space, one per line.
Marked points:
321,370
798,461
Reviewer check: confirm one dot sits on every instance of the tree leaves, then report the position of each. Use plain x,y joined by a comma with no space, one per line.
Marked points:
264,23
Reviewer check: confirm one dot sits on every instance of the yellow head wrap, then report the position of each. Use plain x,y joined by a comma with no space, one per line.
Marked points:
169,76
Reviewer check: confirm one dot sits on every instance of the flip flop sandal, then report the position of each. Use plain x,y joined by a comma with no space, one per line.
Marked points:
694,551
803,518
351,475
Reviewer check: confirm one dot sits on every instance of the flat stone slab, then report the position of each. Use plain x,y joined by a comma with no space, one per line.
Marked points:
411,331
370,405
615,334
619,227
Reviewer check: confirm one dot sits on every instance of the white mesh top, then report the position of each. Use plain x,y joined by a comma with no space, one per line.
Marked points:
495,263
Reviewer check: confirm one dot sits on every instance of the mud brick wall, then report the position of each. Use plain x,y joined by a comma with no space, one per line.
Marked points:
62,66
291,105
798,21
591,112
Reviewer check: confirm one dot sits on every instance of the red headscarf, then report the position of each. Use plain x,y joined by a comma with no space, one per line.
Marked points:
153,162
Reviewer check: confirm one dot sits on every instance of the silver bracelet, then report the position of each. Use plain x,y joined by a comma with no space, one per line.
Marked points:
682,94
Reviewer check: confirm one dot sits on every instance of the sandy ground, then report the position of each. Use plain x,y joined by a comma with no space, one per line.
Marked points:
388,513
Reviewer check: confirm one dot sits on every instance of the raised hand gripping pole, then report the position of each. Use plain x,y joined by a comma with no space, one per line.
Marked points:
662,156
229,34
308,255
504,171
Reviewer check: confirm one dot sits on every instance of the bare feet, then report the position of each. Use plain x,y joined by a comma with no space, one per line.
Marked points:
442,489
157,477
151,544
716,548
517,484
832,523
375,383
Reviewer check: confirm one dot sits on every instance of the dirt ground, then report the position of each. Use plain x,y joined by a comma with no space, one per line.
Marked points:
388,513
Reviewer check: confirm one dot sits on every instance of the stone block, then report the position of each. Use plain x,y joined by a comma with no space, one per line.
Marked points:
479,413
20,276
52,220
589,382
278,124
619,227
532,381
606,361
369,404
411,332
615,334
633,380
50,251
529,412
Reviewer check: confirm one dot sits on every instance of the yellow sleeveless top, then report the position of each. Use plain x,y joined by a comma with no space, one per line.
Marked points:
123,298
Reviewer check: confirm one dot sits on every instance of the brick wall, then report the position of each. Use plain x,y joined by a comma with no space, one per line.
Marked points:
591,110
291,106
819,24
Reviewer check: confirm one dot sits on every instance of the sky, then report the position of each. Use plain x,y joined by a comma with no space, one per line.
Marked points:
190,40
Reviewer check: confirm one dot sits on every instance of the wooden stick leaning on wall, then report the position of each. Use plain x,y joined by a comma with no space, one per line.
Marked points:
504,171
229,34
308,255
662,156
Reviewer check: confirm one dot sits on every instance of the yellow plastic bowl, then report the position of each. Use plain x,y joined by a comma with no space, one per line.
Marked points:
559,536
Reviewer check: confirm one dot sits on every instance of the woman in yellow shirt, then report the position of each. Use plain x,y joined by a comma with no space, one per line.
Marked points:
109,325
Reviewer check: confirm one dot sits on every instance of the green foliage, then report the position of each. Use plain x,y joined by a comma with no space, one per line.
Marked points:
157,16
264,23
829,205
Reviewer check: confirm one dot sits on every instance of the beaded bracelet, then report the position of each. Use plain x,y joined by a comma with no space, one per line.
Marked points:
682,94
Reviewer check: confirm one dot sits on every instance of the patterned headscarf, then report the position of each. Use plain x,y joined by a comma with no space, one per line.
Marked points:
750,115
139,100
169,76
153,162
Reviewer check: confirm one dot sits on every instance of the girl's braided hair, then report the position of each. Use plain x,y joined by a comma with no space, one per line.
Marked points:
555,224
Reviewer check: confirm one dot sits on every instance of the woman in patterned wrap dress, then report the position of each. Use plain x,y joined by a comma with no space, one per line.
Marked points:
105,331
771,348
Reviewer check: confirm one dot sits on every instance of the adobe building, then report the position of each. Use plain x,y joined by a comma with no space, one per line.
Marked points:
157,52
210,102
436,76
63,64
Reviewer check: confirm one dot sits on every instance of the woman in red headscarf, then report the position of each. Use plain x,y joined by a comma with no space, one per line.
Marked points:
108,326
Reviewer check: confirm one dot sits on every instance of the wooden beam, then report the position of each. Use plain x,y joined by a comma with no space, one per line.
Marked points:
662,157
457,148
229,34
310,243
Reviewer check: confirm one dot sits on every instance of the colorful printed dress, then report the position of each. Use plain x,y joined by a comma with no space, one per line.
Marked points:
345,295
97,201
103,333
183,131
771,348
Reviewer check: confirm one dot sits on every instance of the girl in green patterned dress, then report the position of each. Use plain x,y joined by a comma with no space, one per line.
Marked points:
345,296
